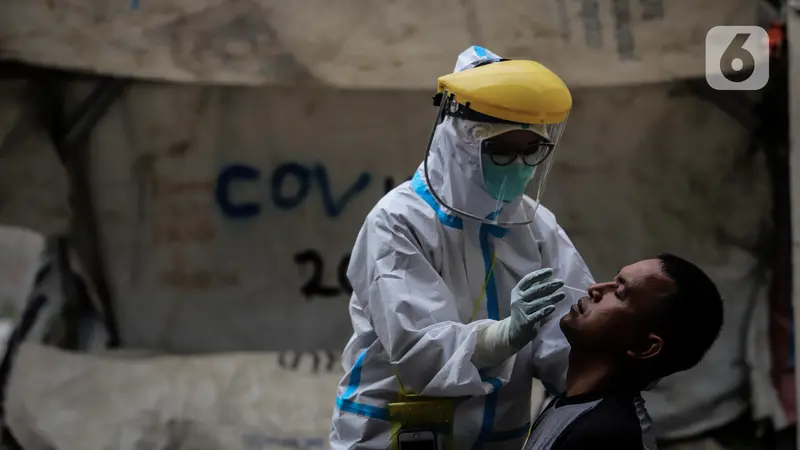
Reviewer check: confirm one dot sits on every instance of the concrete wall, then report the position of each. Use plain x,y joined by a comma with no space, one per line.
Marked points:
358,44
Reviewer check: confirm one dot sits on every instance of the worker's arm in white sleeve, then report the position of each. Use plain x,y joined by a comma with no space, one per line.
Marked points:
550,349
414,313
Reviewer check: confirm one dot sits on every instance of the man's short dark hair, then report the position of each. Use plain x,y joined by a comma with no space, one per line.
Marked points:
694,315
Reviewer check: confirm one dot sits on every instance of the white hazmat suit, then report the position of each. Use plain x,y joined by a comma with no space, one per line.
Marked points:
416,271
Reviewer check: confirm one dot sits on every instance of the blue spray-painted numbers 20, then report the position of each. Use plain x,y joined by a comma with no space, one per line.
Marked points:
290,185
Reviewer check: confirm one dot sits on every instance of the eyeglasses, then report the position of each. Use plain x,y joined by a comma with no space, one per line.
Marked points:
503,154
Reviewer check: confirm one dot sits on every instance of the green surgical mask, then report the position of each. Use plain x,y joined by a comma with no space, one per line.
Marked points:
505,183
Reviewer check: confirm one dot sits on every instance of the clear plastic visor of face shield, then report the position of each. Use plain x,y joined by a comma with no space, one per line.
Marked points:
505,166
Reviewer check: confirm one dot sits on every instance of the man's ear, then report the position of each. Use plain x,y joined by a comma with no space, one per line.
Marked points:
651,347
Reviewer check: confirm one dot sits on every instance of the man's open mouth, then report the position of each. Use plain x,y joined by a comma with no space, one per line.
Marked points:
581,307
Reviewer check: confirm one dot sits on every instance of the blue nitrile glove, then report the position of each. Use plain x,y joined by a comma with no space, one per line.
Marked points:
533,299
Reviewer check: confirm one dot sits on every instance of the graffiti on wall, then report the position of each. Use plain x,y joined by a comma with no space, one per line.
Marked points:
182,220
287,187
314,286
280,183
321,360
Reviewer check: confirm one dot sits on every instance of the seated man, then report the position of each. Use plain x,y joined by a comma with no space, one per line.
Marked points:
659,316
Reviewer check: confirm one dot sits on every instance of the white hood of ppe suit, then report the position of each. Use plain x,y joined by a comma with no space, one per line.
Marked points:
454,159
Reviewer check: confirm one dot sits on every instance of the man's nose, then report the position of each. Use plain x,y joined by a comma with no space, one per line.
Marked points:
597,290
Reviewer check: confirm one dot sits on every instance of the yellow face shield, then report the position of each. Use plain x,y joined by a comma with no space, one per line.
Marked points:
502,123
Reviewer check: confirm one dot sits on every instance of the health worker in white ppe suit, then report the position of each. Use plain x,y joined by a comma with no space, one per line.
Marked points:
456,274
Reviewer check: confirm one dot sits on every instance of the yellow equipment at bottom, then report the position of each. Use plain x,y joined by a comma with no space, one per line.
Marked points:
427,418
422,423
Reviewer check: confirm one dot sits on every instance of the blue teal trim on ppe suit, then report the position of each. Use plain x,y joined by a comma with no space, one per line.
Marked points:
344,403
445,219
493,312
491,295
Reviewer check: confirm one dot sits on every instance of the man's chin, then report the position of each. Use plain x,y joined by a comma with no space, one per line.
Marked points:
566,323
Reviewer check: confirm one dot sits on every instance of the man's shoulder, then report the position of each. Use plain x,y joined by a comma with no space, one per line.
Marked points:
613,422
